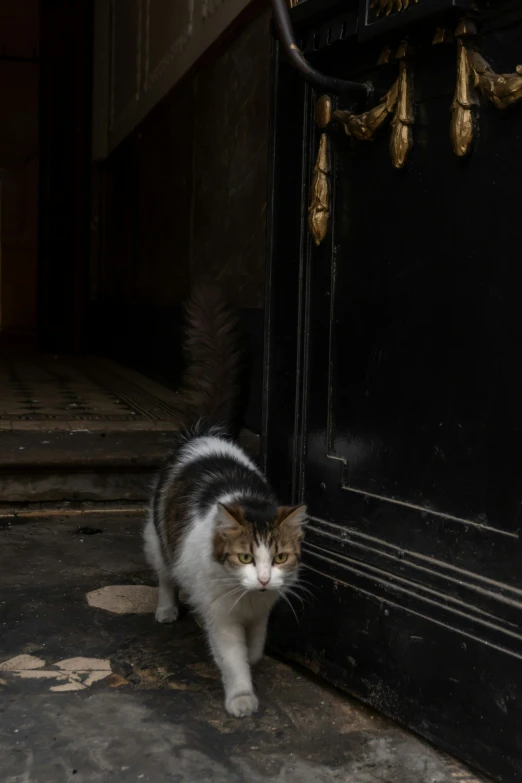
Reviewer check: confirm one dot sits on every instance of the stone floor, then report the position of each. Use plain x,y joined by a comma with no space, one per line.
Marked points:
46,392
92,690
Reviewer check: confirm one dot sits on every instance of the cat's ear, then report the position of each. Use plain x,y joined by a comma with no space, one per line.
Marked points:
292,518
229,518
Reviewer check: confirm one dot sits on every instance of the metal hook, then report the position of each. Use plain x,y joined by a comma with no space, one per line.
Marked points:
285,34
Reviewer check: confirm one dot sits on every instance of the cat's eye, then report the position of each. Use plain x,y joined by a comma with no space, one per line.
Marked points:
280,558
245,558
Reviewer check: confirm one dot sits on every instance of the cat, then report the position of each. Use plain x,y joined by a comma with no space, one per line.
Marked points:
215,529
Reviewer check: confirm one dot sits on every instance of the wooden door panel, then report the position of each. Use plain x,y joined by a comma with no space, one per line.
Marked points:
392,399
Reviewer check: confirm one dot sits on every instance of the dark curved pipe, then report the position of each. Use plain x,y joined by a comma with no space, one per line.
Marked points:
285,33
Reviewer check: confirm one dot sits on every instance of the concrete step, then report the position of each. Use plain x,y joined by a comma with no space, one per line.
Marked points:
64,467
79,466
81,429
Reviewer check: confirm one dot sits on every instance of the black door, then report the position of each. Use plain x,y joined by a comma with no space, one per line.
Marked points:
393,377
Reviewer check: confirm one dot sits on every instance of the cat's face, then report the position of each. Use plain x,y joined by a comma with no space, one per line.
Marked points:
261,553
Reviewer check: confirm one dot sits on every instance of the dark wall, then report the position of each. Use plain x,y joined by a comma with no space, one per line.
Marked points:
185,194
19,78
65,90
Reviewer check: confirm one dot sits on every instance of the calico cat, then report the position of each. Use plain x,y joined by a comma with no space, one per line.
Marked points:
216,530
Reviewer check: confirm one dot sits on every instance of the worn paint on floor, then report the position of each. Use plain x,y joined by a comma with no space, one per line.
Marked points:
75,673
133,700
124,599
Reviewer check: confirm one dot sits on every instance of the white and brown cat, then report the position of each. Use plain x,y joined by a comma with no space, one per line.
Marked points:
216,530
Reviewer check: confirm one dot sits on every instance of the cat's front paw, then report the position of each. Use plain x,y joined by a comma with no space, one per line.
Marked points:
167,614
242,705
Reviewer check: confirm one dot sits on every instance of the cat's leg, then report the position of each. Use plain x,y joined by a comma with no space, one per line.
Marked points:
167,609
228,644
256,637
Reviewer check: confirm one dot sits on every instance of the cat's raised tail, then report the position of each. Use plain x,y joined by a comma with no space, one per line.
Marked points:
211,388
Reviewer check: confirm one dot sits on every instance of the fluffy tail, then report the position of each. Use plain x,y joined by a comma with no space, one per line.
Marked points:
211,387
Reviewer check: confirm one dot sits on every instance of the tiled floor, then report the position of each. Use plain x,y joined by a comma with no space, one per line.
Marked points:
76,430
43,392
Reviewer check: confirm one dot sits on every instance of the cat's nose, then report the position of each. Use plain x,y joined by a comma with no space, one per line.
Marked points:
263,580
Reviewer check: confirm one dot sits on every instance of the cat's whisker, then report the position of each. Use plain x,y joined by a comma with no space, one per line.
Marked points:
306,582
289,591
291,607
303,590
302,585
238,600
307,585
225,595
307,598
